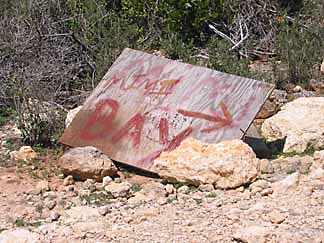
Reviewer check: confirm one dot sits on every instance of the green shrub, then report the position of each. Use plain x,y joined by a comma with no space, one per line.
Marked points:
300,44
301,50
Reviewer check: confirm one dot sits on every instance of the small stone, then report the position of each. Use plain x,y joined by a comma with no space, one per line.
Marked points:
258,186
255,190
84,193
29,198
184,189
103,211
69,188
43,186
252,234
297,89
138,199
172,198
266,166
219,202
244,205
240,189
209,199
54,216
289,183
68,181
118,180
61,176
162,201
266,192
317,174
118,189
206,187
50,195
154,190
89,184
35,192
50,204
212,194
260,183
276,217
169,188
197,197
106,180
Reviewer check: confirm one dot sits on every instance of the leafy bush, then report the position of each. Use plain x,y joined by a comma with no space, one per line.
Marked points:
187,18
40,123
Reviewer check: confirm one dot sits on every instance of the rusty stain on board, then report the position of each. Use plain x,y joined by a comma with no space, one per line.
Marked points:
147,104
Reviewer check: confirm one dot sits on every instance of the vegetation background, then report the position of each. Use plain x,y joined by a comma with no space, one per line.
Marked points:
54,52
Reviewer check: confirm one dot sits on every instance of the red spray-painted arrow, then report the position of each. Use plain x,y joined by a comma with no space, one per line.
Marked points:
220,121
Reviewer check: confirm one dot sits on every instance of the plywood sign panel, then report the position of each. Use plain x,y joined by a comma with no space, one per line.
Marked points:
147,104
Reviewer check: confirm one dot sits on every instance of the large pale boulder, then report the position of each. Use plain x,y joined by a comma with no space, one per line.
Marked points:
87,163
301,120
228,164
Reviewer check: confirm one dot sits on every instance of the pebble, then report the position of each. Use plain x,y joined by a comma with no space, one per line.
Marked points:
68,181
184,189
106,180
50,204
169,188
266,192
206,188
276,217
103,211
43,186
54,216
69,188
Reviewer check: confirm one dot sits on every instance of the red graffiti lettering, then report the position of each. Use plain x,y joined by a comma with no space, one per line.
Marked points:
168,145
158,88
175,142
147,161
164,131
135,122
100,123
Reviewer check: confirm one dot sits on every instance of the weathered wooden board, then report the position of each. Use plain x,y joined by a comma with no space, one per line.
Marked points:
147,104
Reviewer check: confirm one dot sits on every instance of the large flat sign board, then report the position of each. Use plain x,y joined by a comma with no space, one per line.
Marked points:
147,104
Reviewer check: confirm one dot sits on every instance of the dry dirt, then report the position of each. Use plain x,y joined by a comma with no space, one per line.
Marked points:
84,212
